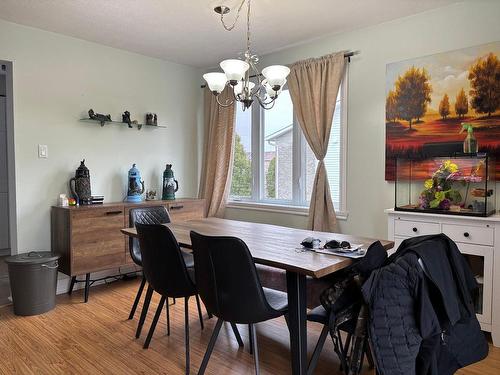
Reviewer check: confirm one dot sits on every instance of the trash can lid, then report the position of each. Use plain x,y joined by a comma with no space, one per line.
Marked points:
33,257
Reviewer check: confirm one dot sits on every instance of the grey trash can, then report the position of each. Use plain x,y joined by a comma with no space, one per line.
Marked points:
33,281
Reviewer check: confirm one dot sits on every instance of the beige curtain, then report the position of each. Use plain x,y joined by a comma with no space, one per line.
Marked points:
218,152
314,85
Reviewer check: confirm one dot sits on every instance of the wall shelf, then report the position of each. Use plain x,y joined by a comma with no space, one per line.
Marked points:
139,126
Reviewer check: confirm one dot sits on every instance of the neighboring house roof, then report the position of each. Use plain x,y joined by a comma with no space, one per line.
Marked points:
279,133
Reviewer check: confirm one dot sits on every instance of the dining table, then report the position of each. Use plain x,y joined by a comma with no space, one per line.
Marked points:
279,247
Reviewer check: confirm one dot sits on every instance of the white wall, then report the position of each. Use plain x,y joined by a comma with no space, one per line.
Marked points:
449,28
56,80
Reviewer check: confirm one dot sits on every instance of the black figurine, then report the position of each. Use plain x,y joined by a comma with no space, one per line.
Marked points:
126,118
99,117
155,119
149,119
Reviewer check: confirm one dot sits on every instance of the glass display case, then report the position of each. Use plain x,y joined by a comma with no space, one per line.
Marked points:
462,184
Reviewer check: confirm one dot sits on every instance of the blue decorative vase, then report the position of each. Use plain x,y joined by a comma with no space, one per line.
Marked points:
135,185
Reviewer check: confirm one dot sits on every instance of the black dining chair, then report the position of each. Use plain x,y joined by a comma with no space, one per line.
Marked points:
229,286
151,215
165,270
145,215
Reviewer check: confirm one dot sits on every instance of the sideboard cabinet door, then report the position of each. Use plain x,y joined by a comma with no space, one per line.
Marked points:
97,242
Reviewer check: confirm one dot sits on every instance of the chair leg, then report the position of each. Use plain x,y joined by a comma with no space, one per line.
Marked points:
237,335
72,285
186,324
343,351
87,287
317,351
167,308
199,311
144,312
154,323
255,349
137,298
250,338
210,347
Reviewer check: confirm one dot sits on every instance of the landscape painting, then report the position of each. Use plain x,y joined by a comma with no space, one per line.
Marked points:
428,99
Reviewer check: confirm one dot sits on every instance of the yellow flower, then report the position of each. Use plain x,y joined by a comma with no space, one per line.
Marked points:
451,167
428,184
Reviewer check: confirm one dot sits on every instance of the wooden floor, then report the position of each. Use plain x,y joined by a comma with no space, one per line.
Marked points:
97,338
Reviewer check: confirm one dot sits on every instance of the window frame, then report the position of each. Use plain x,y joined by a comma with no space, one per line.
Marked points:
298,204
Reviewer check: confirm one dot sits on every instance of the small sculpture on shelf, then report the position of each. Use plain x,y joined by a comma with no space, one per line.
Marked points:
149,119
126,118
151,195
99,117
155,120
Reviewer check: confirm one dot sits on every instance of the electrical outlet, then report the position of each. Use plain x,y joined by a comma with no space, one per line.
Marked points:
43,151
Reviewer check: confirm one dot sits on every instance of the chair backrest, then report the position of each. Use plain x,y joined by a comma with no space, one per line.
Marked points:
145,215
162,261
227,280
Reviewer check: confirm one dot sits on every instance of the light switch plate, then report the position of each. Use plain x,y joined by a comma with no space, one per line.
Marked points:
43,151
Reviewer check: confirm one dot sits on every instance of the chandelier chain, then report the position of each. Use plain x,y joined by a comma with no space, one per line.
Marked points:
248,28
229,28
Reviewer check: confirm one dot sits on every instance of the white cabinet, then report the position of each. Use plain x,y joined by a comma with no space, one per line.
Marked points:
477,238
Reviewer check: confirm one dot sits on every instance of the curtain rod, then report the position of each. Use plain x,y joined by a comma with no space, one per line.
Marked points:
347,55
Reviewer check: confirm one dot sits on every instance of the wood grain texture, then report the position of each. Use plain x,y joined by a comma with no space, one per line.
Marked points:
272,245
97,338
88,238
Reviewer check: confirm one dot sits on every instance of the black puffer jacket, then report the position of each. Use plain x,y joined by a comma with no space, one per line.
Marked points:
422,319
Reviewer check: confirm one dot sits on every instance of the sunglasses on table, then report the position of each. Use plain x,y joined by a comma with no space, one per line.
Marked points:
311,243
334,244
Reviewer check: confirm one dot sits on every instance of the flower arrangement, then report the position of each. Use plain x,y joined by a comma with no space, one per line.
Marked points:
438,192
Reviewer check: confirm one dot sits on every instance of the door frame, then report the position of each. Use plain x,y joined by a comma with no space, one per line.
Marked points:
6,68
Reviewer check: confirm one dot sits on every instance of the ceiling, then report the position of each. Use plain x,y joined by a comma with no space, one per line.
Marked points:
189,32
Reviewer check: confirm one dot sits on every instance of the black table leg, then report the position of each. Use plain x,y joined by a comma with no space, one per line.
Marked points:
297,312
72,285
87,287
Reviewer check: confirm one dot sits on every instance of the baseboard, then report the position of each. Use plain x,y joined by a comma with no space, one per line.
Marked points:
63,280
4,252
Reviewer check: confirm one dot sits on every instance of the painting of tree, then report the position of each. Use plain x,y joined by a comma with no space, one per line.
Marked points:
461,104
484,76
412,93
444,107
391,107
428,98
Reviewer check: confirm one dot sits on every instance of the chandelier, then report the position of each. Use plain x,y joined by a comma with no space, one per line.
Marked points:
238,72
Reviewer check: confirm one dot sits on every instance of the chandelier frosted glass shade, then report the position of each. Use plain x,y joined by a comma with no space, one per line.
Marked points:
276,75
269,90
235,69
215,81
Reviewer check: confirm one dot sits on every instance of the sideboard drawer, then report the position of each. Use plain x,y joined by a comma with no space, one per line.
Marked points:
186,210
481,235
415,228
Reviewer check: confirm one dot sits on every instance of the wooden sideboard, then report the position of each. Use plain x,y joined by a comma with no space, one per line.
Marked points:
88,238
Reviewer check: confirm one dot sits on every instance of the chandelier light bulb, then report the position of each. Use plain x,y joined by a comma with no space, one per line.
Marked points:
276,75
238,89
235,70
215,81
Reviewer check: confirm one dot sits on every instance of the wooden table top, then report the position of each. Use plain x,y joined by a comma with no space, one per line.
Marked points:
272,245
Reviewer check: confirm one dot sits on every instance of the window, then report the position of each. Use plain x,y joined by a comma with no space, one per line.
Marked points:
273,163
